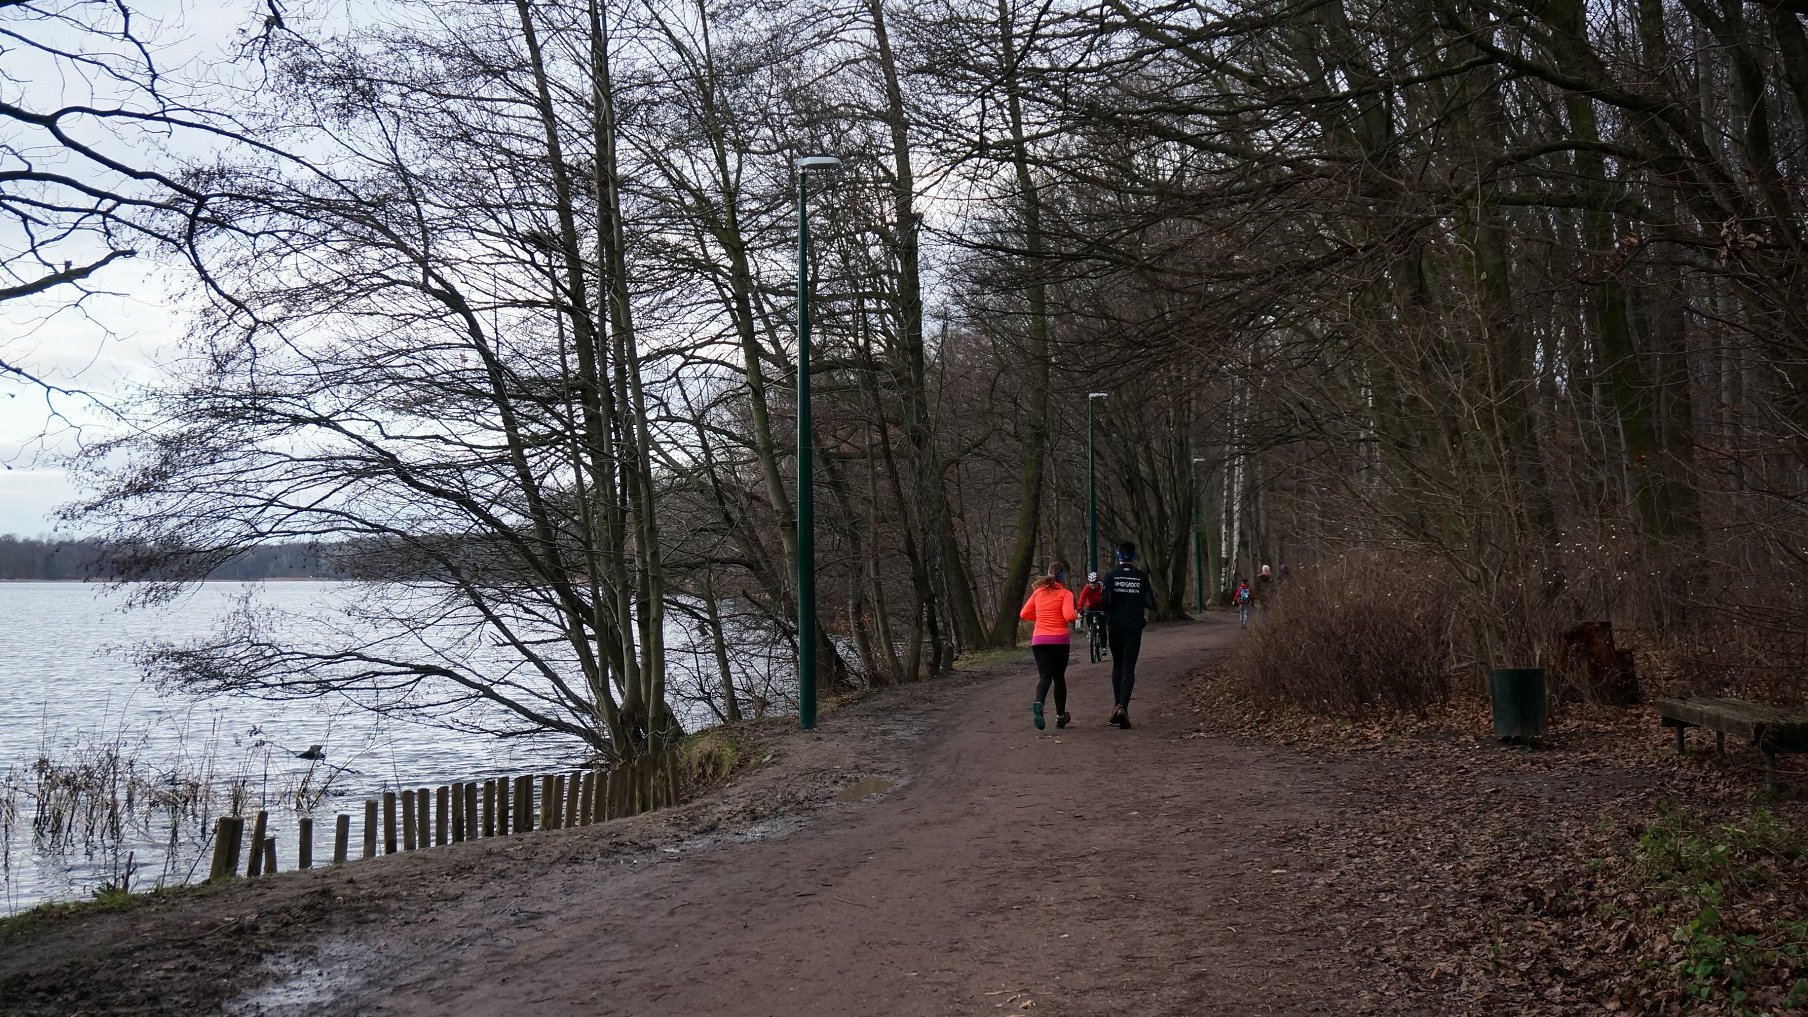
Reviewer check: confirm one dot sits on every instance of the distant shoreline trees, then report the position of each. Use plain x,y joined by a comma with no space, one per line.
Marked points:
27,558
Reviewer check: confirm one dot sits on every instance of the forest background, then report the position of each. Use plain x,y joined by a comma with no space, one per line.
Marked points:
1487,317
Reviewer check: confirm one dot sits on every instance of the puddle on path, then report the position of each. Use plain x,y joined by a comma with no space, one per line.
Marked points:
865,787
302,983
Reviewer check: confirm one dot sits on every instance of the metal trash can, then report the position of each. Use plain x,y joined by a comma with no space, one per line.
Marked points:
1520,706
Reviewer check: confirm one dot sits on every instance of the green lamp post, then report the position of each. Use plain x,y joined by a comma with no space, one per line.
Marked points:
1092,490
1198,550
806,167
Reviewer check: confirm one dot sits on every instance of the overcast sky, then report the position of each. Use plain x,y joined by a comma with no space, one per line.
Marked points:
117,337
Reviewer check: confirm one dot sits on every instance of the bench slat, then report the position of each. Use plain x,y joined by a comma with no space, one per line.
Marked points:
1755,723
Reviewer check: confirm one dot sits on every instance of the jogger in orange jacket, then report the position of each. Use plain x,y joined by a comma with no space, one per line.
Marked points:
1051,607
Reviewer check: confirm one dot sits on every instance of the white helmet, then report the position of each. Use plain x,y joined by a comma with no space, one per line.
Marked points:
1092,577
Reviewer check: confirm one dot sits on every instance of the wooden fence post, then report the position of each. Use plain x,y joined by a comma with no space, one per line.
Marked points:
458,811
587,799
442,820
304,843
574,785
524,804
370,827
470,811
342,838
489,807
549,804
226,833
408,821
503,814
269,856
255,867
423,817
389,822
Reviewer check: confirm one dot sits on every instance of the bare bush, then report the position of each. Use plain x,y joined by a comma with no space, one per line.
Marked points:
1356,638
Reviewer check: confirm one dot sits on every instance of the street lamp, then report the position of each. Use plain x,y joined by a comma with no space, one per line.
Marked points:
1198,550
1092,491
806,166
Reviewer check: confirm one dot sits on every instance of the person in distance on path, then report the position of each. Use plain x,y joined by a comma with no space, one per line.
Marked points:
1128,596
1091,599
1051,607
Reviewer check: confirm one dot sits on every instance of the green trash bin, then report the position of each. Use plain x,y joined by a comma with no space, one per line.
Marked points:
1520,706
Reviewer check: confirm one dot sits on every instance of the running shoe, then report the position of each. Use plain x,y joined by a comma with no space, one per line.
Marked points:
1062,719
1036,708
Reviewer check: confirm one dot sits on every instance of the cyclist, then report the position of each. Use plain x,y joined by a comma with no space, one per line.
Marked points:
1092,606
1129,593
1051,607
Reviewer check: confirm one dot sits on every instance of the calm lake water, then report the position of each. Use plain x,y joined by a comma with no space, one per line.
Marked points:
69,691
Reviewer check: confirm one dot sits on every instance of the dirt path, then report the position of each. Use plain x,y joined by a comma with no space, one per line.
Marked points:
1084,871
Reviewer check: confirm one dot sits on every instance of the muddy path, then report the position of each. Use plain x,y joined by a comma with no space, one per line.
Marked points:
929,852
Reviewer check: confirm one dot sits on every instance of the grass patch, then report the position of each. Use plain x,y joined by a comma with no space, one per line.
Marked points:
34,920
709,758
1732,893
980,660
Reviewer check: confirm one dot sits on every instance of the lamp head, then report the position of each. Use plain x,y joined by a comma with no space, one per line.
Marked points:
817,164
1097,395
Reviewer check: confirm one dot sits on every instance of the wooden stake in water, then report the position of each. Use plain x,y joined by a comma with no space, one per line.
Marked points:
304,843
256,866
389,822
225,847
370,827
342,838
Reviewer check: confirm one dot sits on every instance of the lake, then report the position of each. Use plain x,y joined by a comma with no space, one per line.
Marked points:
71,693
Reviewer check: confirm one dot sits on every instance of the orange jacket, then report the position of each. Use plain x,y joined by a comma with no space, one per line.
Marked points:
1052,609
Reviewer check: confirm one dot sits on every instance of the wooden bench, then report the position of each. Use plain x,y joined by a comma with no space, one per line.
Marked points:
1766,728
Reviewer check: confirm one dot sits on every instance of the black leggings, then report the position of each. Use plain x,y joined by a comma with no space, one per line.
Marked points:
1125,645
1051,667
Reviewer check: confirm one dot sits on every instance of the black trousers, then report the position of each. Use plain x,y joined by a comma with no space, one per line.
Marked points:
1051,670
1125,645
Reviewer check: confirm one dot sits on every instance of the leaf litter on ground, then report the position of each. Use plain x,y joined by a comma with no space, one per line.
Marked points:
1598,872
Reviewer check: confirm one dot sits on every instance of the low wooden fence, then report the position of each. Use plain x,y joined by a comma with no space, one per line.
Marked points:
419,818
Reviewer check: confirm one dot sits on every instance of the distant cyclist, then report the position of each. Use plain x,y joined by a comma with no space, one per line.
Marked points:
1091,600
1129,594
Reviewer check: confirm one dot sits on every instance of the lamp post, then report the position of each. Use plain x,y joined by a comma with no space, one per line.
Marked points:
1092,491
1198,551
806,166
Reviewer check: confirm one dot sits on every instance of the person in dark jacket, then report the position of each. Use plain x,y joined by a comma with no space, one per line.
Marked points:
1129,594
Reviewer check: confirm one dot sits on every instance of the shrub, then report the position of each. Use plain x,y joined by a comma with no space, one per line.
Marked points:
1355,638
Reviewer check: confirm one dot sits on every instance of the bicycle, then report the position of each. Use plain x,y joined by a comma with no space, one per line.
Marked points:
1096,646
